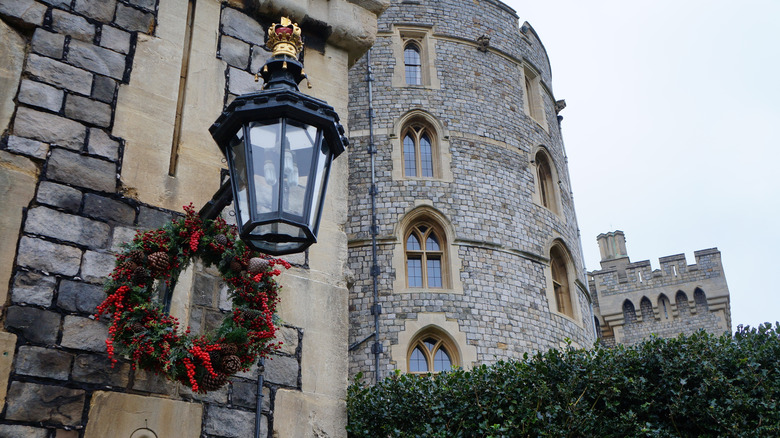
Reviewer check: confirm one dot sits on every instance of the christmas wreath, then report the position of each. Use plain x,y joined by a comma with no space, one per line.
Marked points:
141,330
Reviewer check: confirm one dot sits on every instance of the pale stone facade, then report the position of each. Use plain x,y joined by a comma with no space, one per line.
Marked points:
632,301
463,85
104,114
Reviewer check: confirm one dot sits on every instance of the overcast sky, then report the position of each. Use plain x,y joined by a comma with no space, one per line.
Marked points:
671,130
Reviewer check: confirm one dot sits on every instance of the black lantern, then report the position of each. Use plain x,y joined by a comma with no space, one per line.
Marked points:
279,144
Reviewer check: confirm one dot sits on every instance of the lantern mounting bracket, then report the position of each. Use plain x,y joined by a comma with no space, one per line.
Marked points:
221,199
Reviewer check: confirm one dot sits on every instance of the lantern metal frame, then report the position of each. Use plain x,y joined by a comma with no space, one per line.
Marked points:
280,101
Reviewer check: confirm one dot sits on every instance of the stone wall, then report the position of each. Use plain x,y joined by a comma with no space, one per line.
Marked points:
88,113
486,192
665,301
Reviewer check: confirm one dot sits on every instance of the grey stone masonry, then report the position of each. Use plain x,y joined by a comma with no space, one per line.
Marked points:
33,288
73,25
104,89
48,44
58,195
29,147
234,52
98,369
115,39
49,257
133,19
49,128
101,10
40,95
84,334
108,209
484,188
36,402
82,171
88,111
16,431
96,59
231,423
241,26
96,266
146,4
28,11
60,74
43,362
34,325
77,296
67,227
101,144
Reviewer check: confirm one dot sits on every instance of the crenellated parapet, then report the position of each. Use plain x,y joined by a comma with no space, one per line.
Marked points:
633,300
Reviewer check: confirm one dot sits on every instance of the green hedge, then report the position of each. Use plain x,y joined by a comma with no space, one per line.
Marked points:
691,386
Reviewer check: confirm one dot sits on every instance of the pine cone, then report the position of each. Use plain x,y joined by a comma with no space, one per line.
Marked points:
229,349
159,261
138,256
231,364
211,383
256,265
235,266
128,265
138,328
141,275
221,239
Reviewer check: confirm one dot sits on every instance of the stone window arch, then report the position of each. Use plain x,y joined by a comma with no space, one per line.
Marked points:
420,147
664,307
532,95
546,177
432,350
561,286
681,300
412,63
425,249
425,258
646,307
629,313
701,300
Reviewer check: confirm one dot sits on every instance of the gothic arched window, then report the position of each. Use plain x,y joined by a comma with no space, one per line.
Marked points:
412,63
545,182
432,352
629,313
560,278
419,148
425,256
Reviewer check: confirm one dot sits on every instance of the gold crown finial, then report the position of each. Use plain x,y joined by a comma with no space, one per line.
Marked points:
285,38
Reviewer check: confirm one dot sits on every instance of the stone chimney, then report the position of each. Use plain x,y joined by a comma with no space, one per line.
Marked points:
613,250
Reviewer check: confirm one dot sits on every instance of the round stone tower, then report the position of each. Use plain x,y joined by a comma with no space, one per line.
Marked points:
478,251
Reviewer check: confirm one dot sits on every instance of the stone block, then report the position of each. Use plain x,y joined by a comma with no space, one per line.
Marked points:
28,11
63,226
147,381
96,266
97,59
34,325
58,73
101,10
62,433
84,334
232,423
63,4
218,396
259,57
33,288
115,39
114,414
133,19
151,218
45,403
212,320
76,296
48,257
242,26
205,288
98,369
288,336
146,4
49,128
234,52
104,89
241,82
88,110
43,362
58,195
245,395
40,95
82,171
16,431
121,235
48,43
282,370
108,209
225,302
29,147
75,26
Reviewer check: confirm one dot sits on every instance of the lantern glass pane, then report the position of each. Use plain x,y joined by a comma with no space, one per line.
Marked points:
298,150
265,138
238,165
320,181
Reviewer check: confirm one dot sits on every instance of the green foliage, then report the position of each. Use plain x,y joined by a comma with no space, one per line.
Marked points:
690,386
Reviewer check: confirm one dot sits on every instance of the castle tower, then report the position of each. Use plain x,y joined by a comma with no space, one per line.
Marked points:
478,246
631,301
